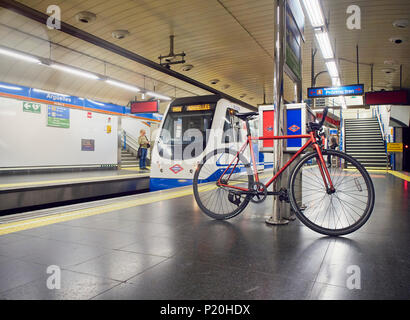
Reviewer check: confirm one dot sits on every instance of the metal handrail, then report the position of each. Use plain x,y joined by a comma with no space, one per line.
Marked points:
381,125
128,141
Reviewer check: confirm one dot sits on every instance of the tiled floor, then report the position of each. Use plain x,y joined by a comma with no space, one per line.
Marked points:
170,250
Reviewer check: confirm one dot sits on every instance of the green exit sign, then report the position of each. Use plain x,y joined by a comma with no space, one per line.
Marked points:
31,107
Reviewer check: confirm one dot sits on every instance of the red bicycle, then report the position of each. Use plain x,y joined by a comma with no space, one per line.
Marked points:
333,198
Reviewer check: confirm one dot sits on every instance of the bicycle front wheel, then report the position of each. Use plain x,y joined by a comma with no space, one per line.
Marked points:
222,202
337,213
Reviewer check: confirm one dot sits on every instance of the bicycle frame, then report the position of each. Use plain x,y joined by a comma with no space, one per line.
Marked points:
311,141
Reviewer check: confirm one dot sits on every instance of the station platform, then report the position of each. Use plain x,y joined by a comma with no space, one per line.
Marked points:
161,246
22,192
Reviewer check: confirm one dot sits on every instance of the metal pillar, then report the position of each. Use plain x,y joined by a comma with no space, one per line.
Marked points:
119,147
312,71
357,64
280,5
401,75
371,77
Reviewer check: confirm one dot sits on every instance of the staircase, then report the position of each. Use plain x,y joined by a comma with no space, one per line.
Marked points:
128,159
364,142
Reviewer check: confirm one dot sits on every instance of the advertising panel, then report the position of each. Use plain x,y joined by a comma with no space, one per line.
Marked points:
87,144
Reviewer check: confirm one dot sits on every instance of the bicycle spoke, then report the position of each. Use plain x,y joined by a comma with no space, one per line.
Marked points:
327,211
226,168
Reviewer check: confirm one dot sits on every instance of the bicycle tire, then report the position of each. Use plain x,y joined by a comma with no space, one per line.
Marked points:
197,183
300,211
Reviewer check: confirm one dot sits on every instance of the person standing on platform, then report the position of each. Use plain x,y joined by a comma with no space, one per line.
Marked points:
333,146
143,149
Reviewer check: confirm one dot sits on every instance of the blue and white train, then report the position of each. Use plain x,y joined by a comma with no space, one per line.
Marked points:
191,128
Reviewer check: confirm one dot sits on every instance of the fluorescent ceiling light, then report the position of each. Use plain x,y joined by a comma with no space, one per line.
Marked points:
159,96
314,11
123,85
332,68
75,71
336,82
324,44
50,92
97,103
18,55
10,87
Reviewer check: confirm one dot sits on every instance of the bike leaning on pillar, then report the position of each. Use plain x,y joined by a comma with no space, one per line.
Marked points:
333,199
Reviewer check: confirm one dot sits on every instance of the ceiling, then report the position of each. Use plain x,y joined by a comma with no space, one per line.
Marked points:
377,17
229,40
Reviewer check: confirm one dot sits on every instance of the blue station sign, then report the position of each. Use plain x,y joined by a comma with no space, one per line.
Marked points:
58,99
324,92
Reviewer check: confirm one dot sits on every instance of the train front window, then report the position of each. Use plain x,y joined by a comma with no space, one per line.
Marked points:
184,133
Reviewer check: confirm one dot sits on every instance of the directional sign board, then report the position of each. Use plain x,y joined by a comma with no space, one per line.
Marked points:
351,90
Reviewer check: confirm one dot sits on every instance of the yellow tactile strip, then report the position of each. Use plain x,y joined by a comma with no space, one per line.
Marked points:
397,174
81,213
134,169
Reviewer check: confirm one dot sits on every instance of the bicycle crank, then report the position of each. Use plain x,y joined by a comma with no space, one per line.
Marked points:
260,192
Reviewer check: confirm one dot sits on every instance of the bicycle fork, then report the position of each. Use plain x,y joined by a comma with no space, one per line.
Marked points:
323,170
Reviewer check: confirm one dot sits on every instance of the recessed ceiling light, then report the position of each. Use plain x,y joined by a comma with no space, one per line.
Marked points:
243,95
401,23
388,70
226,86
214,81
397,40
389,62
120,34
85,17
187,67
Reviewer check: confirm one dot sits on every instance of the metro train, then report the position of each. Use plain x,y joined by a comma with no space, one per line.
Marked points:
190,129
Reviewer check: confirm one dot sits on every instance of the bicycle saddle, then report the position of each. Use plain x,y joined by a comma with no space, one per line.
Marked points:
246,115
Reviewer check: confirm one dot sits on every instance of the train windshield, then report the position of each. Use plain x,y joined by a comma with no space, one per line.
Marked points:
184,133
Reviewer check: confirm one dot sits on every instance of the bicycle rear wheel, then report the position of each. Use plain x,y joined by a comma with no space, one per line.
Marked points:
222,202
333,214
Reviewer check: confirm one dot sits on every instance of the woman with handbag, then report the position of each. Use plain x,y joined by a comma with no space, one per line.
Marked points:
143,149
